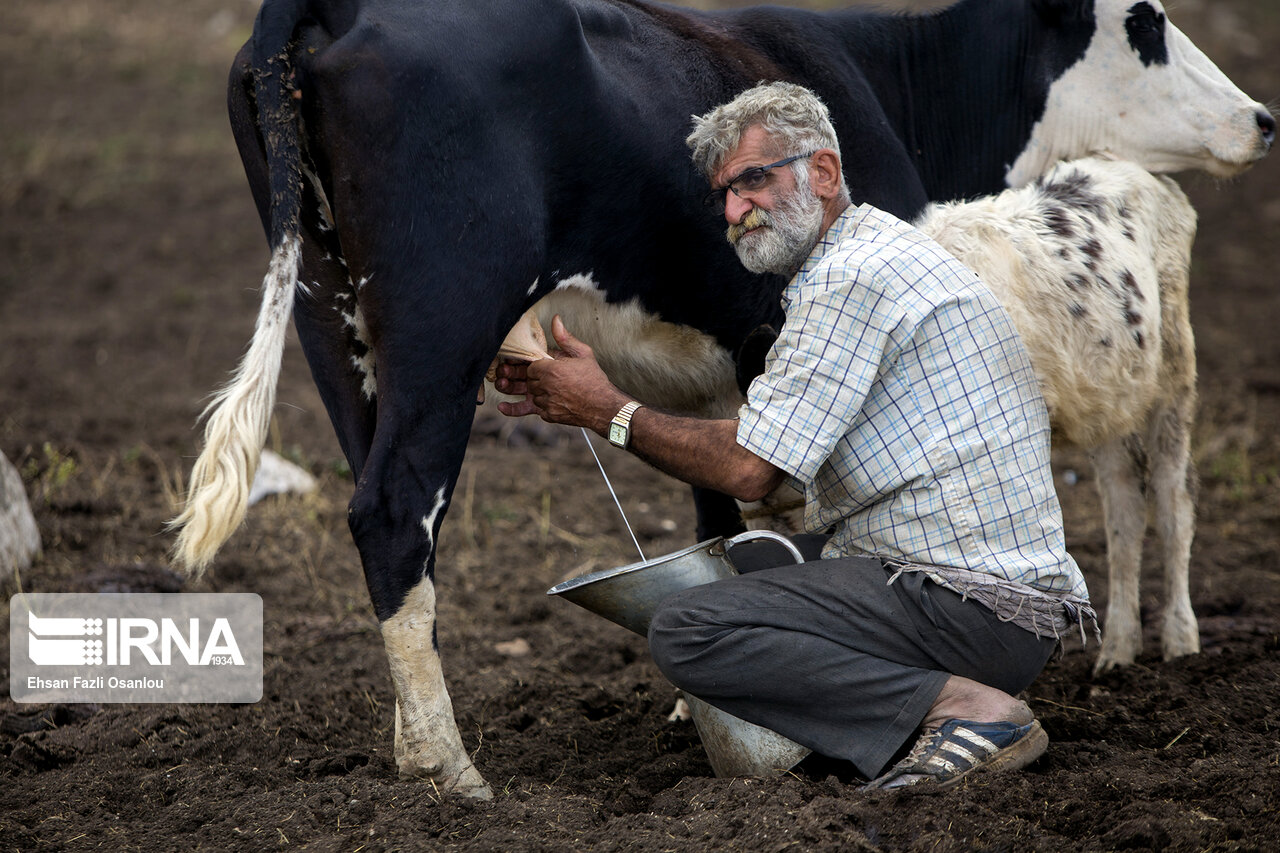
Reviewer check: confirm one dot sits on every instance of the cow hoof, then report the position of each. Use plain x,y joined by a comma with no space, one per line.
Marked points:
469,783
481,791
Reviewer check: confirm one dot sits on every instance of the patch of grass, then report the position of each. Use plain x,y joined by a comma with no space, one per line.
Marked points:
50,472
294,454
500,512
1230,466
1235,470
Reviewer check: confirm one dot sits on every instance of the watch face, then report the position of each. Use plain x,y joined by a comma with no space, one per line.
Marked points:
617,434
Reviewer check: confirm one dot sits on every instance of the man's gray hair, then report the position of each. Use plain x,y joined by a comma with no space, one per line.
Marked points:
796,120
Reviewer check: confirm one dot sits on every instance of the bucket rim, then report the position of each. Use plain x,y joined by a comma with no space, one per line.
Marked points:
617,571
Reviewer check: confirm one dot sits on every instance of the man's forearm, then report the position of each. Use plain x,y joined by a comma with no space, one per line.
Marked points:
702,453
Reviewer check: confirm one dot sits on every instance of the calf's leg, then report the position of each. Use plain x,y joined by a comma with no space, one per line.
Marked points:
1120,468
1172,483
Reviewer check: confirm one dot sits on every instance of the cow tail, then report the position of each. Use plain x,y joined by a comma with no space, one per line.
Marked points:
239,415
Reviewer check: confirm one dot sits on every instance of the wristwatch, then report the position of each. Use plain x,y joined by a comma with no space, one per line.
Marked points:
620,426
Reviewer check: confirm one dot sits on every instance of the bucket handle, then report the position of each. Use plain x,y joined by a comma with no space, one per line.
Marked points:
750,535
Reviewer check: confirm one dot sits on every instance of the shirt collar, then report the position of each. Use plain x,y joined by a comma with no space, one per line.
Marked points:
855,217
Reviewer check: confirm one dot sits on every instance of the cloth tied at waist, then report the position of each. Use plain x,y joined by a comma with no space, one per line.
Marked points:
1044,614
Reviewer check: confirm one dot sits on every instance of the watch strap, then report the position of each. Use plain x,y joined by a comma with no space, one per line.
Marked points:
620,426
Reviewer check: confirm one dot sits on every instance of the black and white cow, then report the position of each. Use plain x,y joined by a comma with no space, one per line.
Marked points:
427,171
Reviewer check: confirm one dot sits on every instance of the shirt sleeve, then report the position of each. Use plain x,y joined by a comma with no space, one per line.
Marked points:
836,341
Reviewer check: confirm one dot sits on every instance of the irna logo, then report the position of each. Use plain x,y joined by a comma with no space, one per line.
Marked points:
135,647
92,641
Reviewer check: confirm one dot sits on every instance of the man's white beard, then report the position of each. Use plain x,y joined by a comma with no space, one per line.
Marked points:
782,239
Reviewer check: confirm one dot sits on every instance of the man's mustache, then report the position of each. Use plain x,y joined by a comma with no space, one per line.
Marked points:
755,218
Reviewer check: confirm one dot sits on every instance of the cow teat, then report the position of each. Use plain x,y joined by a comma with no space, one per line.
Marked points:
525,341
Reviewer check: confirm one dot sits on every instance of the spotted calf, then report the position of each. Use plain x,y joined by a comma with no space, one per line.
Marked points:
1092,262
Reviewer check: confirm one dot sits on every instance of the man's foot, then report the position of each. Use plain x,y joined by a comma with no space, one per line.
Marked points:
965,699
946,754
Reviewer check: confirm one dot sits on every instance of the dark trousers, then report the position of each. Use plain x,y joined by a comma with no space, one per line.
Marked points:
830,655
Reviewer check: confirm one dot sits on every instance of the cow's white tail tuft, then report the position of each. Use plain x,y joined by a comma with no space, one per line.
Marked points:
238,419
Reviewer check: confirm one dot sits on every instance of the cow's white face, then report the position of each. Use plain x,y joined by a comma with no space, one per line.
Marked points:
1144,92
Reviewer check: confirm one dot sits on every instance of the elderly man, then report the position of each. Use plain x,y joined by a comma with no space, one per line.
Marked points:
898,397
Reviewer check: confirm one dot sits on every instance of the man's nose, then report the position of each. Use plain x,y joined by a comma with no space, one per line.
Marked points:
735,208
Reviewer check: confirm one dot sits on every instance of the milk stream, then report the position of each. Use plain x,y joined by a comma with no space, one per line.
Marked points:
616,502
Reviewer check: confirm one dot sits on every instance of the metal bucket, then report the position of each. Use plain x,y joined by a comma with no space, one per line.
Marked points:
629,595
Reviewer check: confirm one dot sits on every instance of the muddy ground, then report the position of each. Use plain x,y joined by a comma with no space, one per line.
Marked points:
129,260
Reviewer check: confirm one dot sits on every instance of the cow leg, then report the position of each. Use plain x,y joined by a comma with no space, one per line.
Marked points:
427,374
334,334
1120,470
395,518
429,361
427,742
1172,477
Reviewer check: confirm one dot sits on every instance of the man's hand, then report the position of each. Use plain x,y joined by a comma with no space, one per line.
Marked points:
572,389
567,389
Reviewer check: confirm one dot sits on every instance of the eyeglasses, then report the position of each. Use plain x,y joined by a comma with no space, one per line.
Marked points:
751,180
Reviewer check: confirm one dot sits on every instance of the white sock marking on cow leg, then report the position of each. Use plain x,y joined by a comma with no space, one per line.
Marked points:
239,417
428,744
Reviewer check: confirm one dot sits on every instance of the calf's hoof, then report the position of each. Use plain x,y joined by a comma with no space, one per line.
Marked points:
1180,644
1115,654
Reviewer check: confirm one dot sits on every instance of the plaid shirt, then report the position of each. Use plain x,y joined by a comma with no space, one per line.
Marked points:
899,398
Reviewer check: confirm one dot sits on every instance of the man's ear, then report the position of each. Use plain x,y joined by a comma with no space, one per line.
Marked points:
824,173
